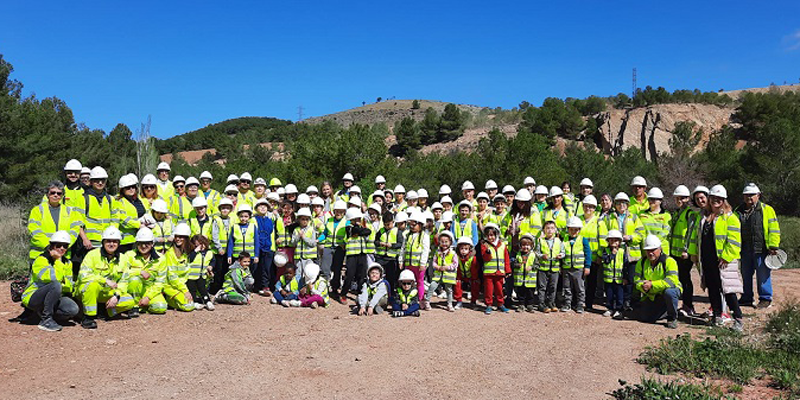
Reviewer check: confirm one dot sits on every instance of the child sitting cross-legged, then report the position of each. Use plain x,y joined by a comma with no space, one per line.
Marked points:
374,295
405,302
238,282
315,291
287,289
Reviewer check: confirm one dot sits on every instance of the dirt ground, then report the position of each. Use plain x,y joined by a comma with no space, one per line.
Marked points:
267,351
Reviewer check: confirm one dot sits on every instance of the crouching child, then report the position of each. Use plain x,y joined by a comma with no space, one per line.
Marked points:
405,302
315,291
238,282
374,295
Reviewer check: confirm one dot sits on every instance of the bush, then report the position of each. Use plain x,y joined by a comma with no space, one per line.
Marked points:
652,389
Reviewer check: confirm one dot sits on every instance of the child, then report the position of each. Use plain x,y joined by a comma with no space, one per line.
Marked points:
287,289
467,272
315,292
445,266
244,236
238,282
220,230
613,260
415,251
374,294
163,226
201,223
355,250
201,264
304,239
266,236
406,301
387,245
549,252
525,273
496,265
577,264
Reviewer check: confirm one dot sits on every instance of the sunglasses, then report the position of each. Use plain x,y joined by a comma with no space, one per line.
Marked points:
129,188
52,193
231,194
180,186
406,283
149,187
245,181
60,246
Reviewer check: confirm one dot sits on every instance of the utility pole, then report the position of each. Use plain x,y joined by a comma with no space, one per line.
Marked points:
633,94
299,113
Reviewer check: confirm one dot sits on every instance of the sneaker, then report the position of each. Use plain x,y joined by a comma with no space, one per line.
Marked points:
545,310
565,309
717,321
261,292
134,312
343,300
458,306
273,300
314,305
579,309
764,304
294,303
618,316
210,306
199,306
531,308
747,304
488,310
285,303
49,325
608,313
266,292
442,295
503,309
672,324
427,305
451,308
519,308
738,325
89,323
416,313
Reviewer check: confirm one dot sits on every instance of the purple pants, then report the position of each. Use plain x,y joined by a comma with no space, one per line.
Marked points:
307,300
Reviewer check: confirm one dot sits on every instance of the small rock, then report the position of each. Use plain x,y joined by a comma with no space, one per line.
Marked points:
111,341
72,386
358,359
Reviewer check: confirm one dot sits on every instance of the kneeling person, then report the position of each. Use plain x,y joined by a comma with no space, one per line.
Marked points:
656,277
238,282
374,294
99,277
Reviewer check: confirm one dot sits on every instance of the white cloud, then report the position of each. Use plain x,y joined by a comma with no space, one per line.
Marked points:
792,41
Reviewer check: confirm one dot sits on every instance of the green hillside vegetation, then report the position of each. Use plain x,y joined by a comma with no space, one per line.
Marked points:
260,129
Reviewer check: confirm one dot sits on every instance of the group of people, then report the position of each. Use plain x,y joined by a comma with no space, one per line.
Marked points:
164,243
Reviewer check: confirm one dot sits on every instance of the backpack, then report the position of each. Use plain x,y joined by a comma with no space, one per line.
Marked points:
17,288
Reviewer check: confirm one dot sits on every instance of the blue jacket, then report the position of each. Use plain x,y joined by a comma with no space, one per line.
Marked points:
257,240
266,230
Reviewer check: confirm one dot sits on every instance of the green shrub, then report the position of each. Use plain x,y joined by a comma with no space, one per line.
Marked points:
652,389
790,240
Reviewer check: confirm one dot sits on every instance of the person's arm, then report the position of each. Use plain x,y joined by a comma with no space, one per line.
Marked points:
363,296
256,243
453,266
231,241
507,261
773,234
311,241
158,279
475,236
38,238
237,278
215,234
637,274
587,254
670,279
380,292
42,271
732,248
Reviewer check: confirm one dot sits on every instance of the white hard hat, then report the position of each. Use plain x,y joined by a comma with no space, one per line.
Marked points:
465,203
355,200
499,197
509,189
622,196
177,179
651,242
446,199
412,195
73,165
418,217
355,189
160,206
447,216
491,225
348,177
422,193
490,184
134,178
590,200
261,201
378,193
399,189
541,189
98,173
162,166
555,191
280,259
206,175
199,201
244,208
144,235
574,222
718,191
444,190
225,202
464,240
467,185
85,170
340,205
380,179
529,181
304,212
192,181
149,179
483,195
312,189
638,181
375,207
586,182
377,266
437,206
310,272
614,234
401,217
126,181
655,193
681,191
353,214
231,188
448,234
528,236
274,196
61,236
112,233
303,198
260,182
751,188
523,195
245,177
317,201
291,189
407,276
700,189
232,178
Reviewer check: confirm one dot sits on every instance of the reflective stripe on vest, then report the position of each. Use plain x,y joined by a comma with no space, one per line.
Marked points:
244,242
551,264
573,249
448,277
521,276
412,253
498,261
389,237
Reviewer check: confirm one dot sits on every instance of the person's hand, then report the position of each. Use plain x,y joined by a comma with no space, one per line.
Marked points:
145,275
560,256
144,302
230,260
198,248
87,244
221,251
188,297
528,268
773,251
112,302
684,255
284,293
586,271
255,260
545,257
111,284
647,285
210,271
627,238
362,311
303,291
404,307
370,311
723,264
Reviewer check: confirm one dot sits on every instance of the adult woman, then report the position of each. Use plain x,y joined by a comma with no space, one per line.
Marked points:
326,192
716,246
556,211
50,284
176,269
679,238
594,230
51,216
606,205
129,209
149,192
144,275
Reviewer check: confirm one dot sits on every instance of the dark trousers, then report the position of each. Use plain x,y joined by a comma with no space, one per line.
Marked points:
263,270
663,305
336,268
220,269
614,296
630,270
390,268
197,287
525,295
396,306
713,282
685,277
547,282
77,252
356,272
509,289
47,302
592,284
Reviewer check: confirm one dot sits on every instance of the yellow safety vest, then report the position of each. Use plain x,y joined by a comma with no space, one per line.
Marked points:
44,271
412,253
244,242
98,216
303,250
163,230
574,257
198,265
498,260
389,237
614,269
128,220
446,277
523,278
551,264
41,226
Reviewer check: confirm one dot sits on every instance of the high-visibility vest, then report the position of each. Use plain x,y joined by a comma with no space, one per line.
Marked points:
74,198
727,237
663,275
165,189
212,198
465,266
637,207
244,242
180,209
98,216
198,265
96,267
595,231
355,245
128,220
406,298
43,271
658,224
460,231
163,230
633,227
248,197
320,286
335,235
521,276
234,275
574,257
41,226
291,286
551,264
389,237
134,264
177,269
412,252
614,269
772,231
223,229
557,216
369,245
204,230
282,236
531,224
680,231
446,277
498,261
303,251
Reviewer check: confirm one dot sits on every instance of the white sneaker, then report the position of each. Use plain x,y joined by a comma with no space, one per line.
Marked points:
608,313
469,295
285,303
273,300
210,306
294,303
199,306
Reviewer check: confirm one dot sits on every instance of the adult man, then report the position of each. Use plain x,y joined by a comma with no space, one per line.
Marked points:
73,191
761,235
344,193
656,278
639,203
49,217
165,189
212,196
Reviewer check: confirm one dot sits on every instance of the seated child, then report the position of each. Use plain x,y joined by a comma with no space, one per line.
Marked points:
374,294
405,301
287,289
315,291
238,282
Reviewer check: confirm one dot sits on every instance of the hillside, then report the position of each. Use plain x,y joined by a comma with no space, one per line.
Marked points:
388,112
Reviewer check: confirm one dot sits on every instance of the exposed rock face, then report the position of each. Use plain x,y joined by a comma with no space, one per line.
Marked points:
650,128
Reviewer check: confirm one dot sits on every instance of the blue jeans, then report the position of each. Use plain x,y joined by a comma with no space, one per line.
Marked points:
279,297
753,264
261,272
614,296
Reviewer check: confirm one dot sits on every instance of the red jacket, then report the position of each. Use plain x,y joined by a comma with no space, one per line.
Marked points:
486,256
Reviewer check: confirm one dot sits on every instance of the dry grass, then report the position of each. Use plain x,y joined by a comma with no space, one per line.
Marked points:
13,241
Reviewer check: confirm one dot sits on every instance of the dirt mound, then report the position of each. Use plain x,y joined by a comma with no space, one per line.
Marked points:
194,157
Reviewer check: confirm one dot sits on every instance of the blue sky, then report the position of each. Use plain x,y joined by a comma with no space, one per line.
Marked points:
189,64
